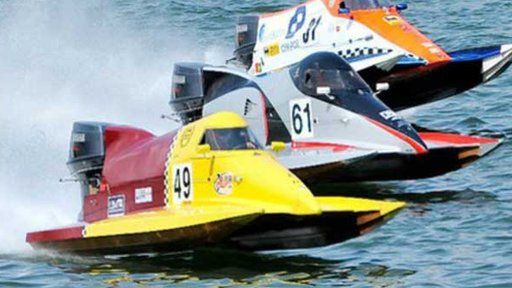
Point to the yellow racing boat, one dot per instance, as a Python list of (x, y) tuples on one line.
[(209, 183)]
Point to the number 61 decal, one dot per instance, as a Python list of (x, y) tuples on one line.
[(301, 119), (182, 183)]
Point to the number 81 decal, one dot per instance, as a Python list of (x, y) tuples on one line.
[(301, 118), (182, 183)]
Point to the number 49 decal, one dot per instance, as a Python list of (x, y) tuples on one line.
[(182, 183), (301, 119)]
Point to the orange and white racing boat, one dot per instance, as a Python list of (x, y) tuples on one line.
[(374, 37)]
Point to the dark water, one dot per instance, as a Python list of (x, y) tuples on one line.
[(62, 61)]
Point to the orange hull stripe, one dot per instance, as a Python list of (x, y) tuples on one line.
[(393, 27)]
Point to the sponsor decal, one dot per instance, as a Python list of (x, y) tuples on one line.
[(434, 50), (116, 206), (182, 183), (272, 50), (241, 28), (248, 106), (224, 183), (362, 39), (258, 67), (392, 20), (296, 22), (78, 137), (143, 195), (186, 135), (269, 35), (261, 33), (179, 79), (389, 115), (290, 46)]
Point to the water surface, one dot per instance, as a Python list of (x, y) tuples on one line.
[(62, 61)]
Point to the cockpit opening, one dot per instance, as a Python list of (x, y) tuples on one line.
[(231, 139), (327, 70), (365, 4)]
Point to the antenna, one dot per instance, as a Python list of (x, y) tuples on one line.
[(66, 180), (170, 117)]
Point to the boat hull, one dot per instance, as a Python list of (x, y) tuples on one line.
[(418, 85), (276, 232), (154, 241), (447, 152), (340, 219)]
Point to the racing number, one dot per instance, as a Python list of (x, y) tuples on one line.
[(311, 30), (301, 118), (182, 183), (298, 125)]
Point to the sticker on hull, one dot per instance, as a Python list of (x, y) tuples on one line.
[(182, 183), (301, 119), (224, 183), (143, 195), (116, 206)]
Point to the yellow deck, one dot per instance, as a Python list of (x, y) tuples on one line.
[(348, 204), (166, 219)]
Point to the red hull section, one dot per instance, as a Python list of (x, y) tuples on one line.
[(446, 152), (60, 234), (455, 139), (135, 159), (318, 145)]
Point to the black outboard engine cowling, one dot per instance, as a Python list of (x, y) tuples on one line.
[(245, 41), (188, 91), (87, 154)]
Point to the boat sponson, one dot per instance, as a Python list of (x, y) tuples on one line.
[(342, 218), (153, 241), (410, 87)]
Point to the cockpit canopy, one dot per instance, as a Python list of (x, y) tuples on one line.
[(327, 70), (326, 76), (364, 4), (231, 139)]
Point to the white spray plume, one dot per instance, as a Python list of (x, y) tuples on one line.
[(60, 62)]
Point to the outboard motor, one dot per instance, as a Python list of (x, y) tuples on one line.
[(245, 41), (187, 91), (87, 154)]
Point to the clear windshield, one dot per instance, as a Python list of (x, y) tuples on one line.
[(346, 90), (327, 70), (366, 4), (336, 80), (231, 139)]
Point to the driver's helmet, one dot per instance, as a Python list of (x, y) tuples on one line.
[(231, 138)]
